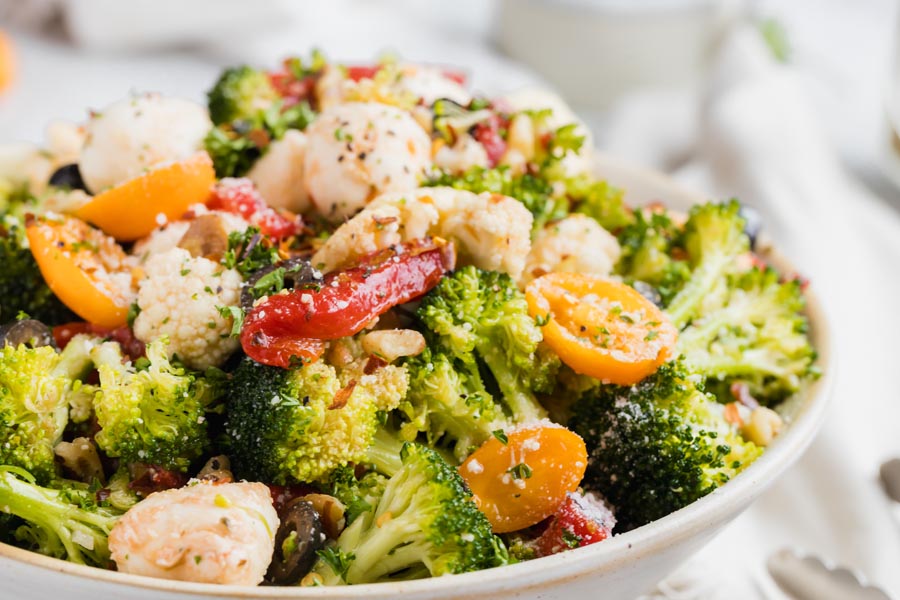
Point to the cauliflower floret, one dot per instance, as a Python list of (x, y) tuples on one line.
[(278, 175), (135, 134), (575, 244), (464, 154), (491, 231), (358, 150), (205, 532), (180, 297)]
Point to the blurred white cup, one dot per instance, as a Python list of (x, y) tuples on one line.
[(595, 50)]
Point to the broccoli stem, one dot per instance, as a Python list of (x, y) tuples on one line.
[(75, 359), (684, 305), (58, 518), (372, 556), (384, 453), (727, 367), (525, 408)]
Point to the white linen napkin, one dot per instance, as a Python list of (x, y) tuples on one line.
[(758, 139)]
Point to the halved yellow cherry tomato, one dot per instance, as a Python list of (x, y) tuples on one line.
[(86, 269), (133, 209), (524, 479), (601, 328), (7, 62)]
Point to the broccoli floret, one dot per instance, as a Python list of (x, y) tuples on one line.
[(599, 200), (757, 335), (357, 495), (483, 365), (423, 523), (63, 523), (34, 387), (713, 238), (300, 424), (239, 93), (657, 446), (151, 412), (22, 287), (647, 247), (16, 199), (448, 401)]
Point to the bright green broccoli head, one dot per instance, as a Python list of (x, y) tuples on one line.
[(357, 495), (657, 446), (240, 93), (22, 287), (423, 523), (483, 364), (756, 336), (33, 408), (647, 244), (599, 200), (16, 199), (476, 315), (447, 401), (35, 388), (63, 523), (713, 239), (152, 412), (300, 424)]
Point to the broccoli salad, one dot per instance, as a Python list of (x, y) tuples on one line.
[(350, 324)]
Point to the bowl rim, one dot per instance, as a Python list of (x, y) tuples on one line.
[(553, 570)]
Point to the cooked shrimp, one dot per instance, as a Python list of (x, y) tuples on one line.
[(491, 231), (577, 243), (208, 533), (356, 151)]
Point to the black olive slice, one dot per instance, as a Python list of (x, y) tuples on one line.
[(297, 540), (30, 332), (68, 176)]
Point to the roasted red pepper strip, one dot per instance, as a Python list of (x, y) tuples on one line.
[(295, 324)]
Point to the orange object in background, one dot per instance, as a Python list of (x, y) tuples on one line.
[(7, 62), (522, 477), (136, 207), (83, 267), (601, 328)]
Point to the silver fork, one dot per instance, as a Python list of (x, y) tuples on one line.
[(808, 577)]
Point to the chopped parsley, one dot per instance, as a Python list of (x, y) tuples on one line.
[(521, 471), (338, 560)]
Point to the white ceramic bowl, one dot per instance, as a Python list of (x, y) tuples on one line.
[(619, 568)]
